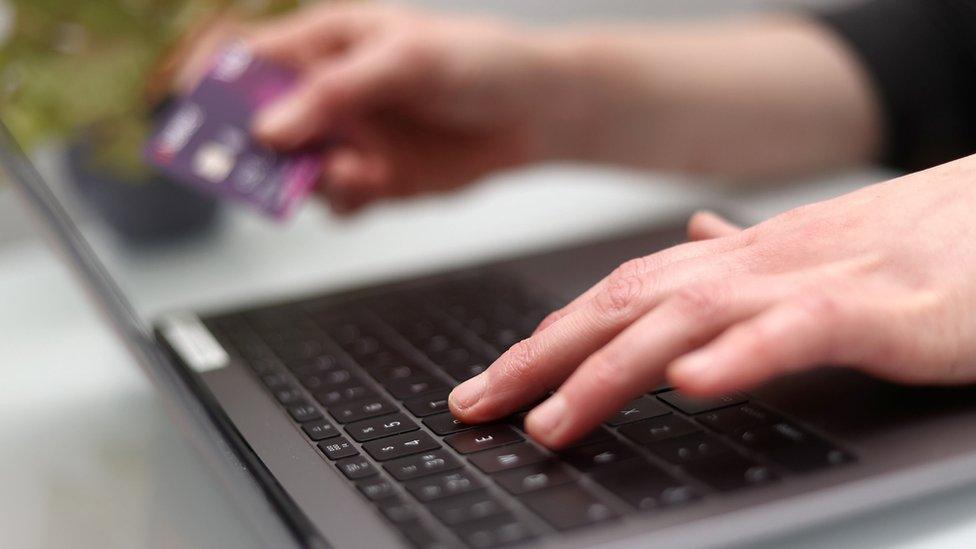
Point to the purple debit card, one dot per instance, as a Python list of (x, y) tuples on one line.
[(204, 139)]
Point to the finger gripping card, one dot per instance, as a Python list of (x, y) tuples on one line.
[(204, 138)]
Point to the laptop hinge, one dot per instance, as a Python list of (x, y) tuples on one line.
[(193, 342)]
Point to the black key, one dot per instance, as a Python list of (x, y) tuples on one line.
[(379, 427), (275, 380), (337, 448), (533, 477), (356, 467), (445, 424), (420, 536), (729, 472), (653, 430), (568, 506), (320, 429), (444, 485), (376, 488), (466, 372), (400, 445), (384, 374), (397, 509), (343, 395), (414, 386), (640, 408), (427, 463), (599, 435), (644, 486), (313, 366), (483, 438), (594, 456), (690, 405), (431, 404), (467, 507), (792, 447), (288, 394), (507, 457), (302, 411), (730, 420), (503, 529), (337, 377), (689, 447), (361, 409)]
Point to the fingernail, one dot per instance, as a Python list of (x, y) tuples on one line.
[(468, 393), (547, 417)]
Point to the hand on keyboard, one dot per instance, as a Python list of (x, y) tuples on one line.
[(883, 279)]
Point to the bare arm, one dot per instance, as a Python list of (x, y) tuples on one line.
[(744, 100)]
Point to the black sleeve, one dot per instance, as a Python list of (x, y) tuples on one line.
[(921, 57)]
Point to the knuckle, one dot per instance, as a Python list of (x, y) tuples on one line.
[(519, 361), (819, 307), (700, 300), (622, 289)]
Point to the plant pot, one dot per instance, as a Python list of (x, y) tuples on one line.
[(144, 209)]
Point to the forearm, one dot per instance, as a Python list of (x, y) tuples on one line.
[(740, 100)]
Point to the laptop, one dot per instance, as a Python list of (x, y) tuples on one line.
[(326, 415)]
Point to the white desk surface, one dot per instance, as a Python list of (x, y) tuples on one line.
[(89, 459)]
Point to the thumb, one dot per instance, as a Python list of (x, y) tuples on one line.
[(706, 225)]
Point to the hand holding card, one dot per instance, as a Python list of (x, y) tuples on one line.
[(204, 139)]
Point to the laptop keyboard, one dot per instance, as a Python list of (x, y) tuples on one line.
[(366, 380)]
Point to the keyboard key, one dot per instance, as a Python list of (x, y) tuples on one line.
[(356, 467), (792, 447), (337, 448), (644, 486), (640, 408), (361, 409), (335, 378), (533, 477), (653, 430), (466, 508), (431, 404), (376, 488), (502, 529), (320, 429), (729, 472), (507, 457), (598, 435), (483, 438), (288, 395), (343, 395), (302, 411), (427, 463), (594, 456), (400, 445), (379, 427), (420, 535), (414, 386), (397, 510), (691, 405), (275, 380), (731, 420), (466, 372), (443, 485), (568, 506), (689, 447), (445, 424)]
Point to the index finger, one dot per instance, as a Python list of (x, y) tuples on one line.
[(302, 38)]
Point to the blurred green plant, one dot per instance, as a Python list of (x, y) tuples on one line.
[(70, 65)]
